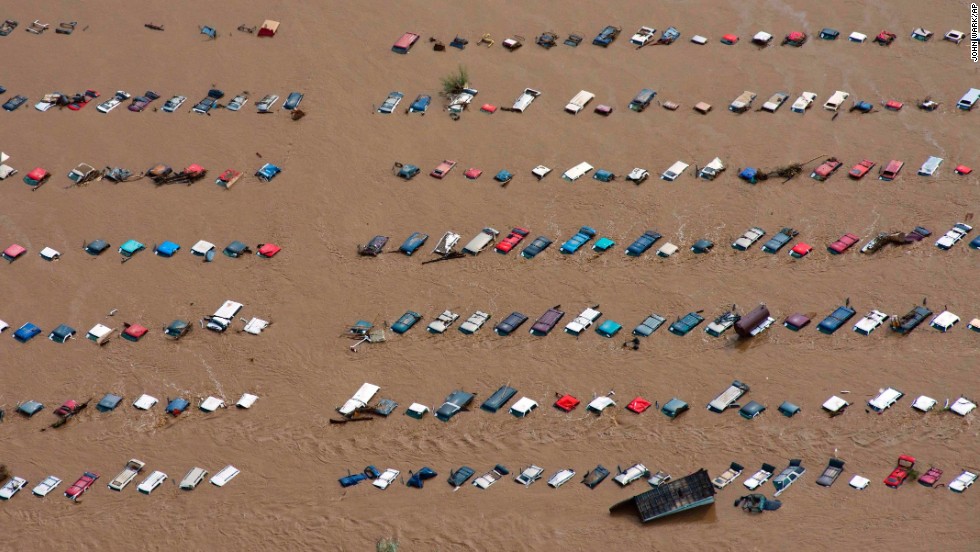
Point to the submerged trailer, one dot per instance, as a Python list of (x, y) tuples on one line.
[(686, 493)]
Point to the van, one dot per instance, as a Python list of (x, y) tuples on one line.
[(969, 99), (224, 476), (642, 99), (891, 170), (835, 101), (578, 171), (193, 478), (930, 166), (405, 43), (524, 100), (579, 102), (742, 103), (674, 171), (221, 319), (152, 481), (712, 169), (885, 399)]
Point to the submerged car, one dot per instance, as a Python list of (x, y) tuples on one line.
[(606, 36), (81, 486), (405, 322), (513, 238), (293, 100), (141, 102), (174, 103)]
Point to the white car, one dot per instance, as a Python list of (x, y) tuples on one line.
[(674, 171), (561, 478), (266, 103), (540, 171), (173, 104), (387, 478), (750, 236), (643, 36), (524, 100), (48, 101), (760, 477), (631, 474), (871, 321), (12, 487), (637, 175), (151, 482), (237, 102), (442, 322), (658, 479), (944, 321), (119, 97), (963, 482), (955, 234), (803, 103), (775, 102), (193, 478), (583, 321), (529, 475), (49, 484)]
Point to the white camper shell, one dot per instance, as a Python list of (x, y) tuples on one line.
[(540, 171), (712, 169), (524, 100), (944, 321), (193, 478), (674, 171), (360, 399), (151, 482), (226, 474), (857, 37), (480, 242), (222, 318), (579, 101), (931, 165), (963, 406), (835, 101), (578, 171), (969, 100), (803, 102), (885, 399)]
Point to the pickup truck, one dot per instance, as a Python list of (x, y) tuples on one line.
[(126, 476), (779, 240)]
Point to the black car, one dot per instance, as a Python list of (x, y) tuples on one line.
[(539, 244), (511, 323), (374, 247), (15, 102), (456, 401)]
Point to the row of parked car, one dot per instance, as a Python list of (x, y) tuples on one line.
[(592, 478), (746, 326), (646, 35), (132, 469), (362, 404), (712, 170), (448, 244), (75, 102), (203, 250), (100, 334)]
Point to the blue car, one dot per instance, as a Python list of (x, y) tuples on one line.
[(690, 321), (413, 243), (15, 102), (176, 406), (975, 244), (267, 172), (408, 172), (504, 177), (508, 325), (643, 243), (779, 240), (293, 100), (406, 322), (749, 175), (836, 319), (167, 249), (606, 36), (26, 332), (539, 244), (584, 235), (420, 104)]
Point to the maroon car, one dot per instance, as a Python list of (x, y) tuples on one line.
[(826, 169), (69, 407), (141, 102), (513, 238), (843, 244), (858, 171), (81, 486), (931, 477)]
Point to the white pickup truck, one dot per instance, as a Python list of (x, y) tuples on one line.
[(524, 100), (126, 476)]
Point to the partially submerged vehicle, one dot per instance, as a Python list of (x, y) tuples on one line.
[(830, 474), (685, 493), (788, 476), (835, 320), (901, 472), (686, 323), (727, 398), (754, 322), (728, 476), (128, 473)]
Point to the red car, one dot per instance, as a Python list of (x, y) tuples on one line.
[(901, 471), (931, 477), (800, 250), (826, 169), (843, 244), (70, 407), (861, 169), (894, 105), (443, 169), (512, 239), (88, 96), (81, 486)]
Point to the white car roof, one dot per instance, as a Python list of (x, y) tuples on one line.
[(945, 319), (247, 400), (924, 403), (963, 406), (211, 404), (835, 403), (524, 405), (145, 402), (225, 475), (202, 247)]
